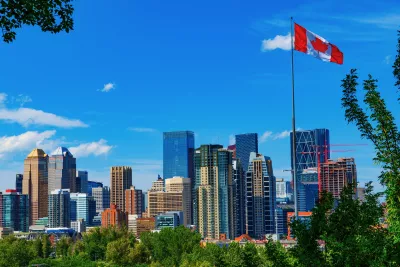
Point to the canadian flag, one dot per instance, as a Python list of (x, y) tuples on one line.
[(314, 45)]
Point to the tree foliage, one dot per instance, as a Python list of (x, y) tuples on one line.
[(377, 124), (50, 15)]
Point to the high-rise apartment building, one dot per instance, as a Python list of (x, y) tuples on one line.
[(260, 188), (336, 174), (59, 208), (93, 184), (133, 200), (14, 211), (18, 183), (121, 179), (239, 198), (114, 217), (178, 151), (181, 184), (62, 170), (213, 197), (245, 144), (102, 197), (82, 176), (83, 207), (35, 184)]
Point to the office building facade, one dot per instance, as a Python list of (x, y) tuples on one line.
[(145, 225), (62, 170), (59, 208), (161, 202), (83, 207), (18, 182), (102, 197), (133, 201), (93, 184), (171, 219), (178, 151), (14, 211), (35, 184), (213, 192), (157, 185), (260, 201), (280, 188), (83, 178), (245, 144), (181, 184), (121, 179)]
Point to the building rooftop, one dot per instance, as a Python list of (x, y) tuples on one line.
[(37, 153), (61, 151)]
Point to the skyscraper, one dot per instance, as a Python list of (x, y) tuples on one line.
[(14, 210), (35, 184), (102, 197), (161, 202), (260, 187), (83, 177), (121, 179), (213, 198), (310, 144), (82, 207), (307, 189), (59, 208), (181, 184), (239, 198), (133, 201), (280, 188), (178, 154), (62, 170), (245, 144), (18, 183), (336, 174)]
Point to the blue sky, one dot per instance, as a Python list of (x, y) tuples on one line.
[(185, 65)]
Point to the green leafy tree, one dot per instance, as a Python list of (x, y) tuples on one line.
[(251, 257), (46, 246), (50, 15), (233, 256), (118, 252), (277, 255), (377, 124), (38, 247), (62, 247)]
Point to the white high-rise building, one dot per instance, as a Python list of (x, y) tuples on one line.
[(280, 188)]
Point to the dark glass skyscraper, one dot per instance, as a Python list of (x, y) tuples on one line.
[(310, 144), (18, 183), (14, 210), (245, 144), (62, 170), (239, 199), (178, 154)]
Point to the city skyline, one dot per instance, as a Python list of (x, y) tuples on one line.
[(211, 61)]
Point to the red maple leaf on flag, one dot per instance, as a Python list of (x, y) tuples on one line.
[(319, 45)]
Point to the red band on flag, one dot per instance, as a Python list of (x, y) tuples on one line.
[(300, 38), (336, 55)]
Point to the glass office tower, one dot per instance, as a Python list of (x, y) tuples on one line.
[(245, 144), (178, 154)]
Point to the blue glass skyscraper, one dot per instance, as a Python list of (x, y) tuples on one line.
[(18, 183), (178, 154), (245, 144)]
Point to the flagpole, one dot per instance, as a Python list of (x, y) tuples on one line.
[(293, 128)]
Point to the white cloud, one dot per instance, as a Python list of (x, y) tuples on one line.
[(108, 87), (142, 130), (278, 42), (3, 98), (232, 139), (265, 136), (24, 142), (93, 148), (28, 116), (387, 59), (282, 135), (23, 99)]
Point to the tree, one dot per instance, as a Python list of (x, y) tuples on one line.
[(50, 15), (378, 125), (46, 246), (63, 246), (118, 252), (38, 247), (251, 258), (233, 256)]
